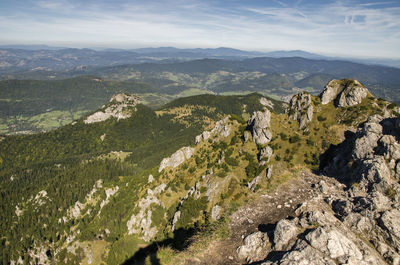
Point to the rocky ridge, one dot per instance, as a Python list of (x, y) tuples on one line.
[(119, 107), (344, 93), (350, 220)]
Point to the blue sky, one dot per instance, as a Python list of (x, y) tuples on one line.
[(339, 27)]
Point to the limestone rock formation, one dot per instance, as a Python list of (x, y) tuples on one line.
[(266, 103), (176, 158), (266, 154), (301, 109), (255, 247), (259, 123), (221, 128), (119, 107), (142, 222), (353, 222), (344, 93), (285, 231)]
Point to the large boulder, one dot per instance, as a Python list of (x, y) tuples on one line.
[(259, 123), (301, 109), (256, 247), (284, 232), (367, 141), (344, 93)]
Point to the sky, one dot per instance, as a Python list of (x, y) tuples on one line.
[(368, 29)]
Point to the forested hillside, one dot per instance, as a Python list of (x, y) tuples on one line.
[(129, 188)]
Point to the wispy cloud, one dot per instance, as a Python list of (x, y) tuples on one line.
[(336, 27)]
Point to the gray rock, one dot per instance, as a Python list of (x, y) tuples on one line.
[(390, 222), (266, 103), (331, 91), (253, 184), (150, 179), (202, 137), (334, 244), (301, 109), (380, 202), (259, 123), (369, 134), (256, 247), (268, 172), (352, 96), (176, 158), (398, 169), (216, 212), (221, 128), (266, 153), (357, 222), (303, 254), (247, 136), (344, 92), (284, 232), (377, 174), (177, 216), (391, 148)]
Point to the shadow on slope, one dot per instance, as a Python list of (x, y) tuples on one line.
[(180, 241)]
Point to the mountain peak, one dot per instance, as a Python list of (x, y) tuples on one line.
[(119, 107), (344, 93)]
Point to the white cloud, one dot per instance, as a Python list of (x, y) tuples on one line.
[(333, 28)]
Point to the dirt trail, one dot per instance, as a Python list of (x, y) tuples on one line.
[(256, 216)]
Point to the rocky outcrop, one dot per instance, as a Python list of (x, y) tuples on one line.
[(344, 93), (301, 109), (222, 128), (284, 232), (176, 158), (266, 103), (353, 222), (259, 124), (265, 155), (141, 222), (119, 107)]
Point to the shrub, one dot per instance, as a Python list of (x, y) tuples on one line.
[(392, 105), (294, 139), (321, 118), (237, 118)]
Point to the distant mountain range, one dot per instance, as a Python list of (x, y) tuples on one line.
[(14, 57)]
